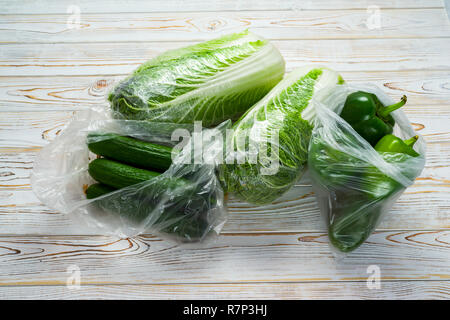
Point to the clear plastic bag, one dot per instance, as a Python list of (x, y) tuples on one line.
[(354, 184), (209, 82), (184, 204)]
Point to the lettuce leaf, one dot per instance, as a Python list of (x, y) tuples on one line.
[(209, 82)]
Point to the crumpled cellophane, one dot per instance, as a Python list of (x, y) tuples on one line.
[(188, 212), (354, 184)]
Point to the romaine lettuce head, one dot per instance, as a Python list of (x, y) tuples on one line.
[(210, 82), (269, 144)]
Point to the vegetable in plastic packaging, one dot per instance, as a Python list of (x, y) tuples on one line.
[(356, 184), (368, 116), (268, 149), (184, 203), (212, 81)]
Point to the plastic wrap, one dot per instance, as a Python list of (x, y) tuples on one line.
[(354, 184), (210, 82), (185, 203), (268, 148)]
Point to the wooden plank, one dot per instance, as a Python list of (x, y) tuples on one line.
[(104, 6), (274, 257), (31, 130), (397, 290), (55, 93), (424, 88), (199, 26), (121, 58)]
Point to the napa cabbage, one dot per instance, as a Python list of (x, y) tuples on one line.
[(210, 82), (268, 148)]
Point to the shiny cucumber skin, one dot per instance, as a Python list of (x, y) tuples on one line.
[(184, 216), (118, 175), (97, 190), (131, 151)]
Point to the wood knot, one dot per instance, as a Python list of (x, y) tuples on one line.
[(213, 25), (417, 126), (6, 174), (308, 238), (100, 84)]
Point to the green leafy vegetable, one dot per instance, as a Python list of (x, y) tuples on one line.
[(274, 137), (211, 81)]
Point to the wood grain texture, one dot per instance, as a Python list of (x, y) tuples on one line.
[(232, 258), (122, 58), (426, 90), (105, 6), (48, 71), (397, 290), (199, 26)]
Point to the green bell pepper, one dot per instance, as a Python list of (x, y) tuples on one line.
[(368, 116), (382, 186), (391, 143), (352, 224)]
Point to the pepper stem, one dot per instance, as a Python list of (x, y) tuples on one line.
[(410, 142), (384, 112)]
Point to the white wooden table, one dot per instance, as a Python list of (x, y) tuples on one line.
[(51, 67)]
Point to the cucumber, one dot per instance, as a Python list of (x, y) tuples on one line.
[(185, 216), (118, 175), (98, 189), (131, 151)]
